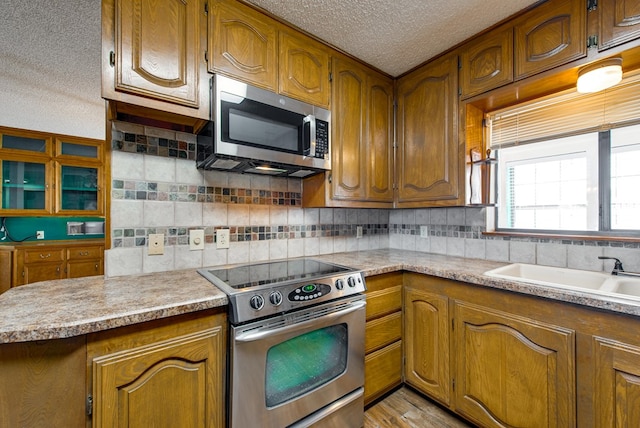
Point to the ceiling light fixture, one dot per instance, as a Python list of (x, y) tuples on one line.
[(600, 75)]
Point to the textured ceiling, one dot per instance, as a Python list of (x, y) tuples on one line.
[(393, 35)]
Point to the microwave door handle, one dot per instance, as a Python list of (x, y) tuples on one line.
[(309, 141)]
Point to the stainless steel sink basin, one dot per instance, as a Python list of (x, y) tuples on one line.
[(597, 282)]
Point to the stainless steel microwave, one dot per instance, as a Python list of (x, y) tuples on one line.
[(258, 131)]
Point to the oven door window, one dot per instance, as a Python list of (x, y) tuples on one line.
[(304, 363), (255, 124)]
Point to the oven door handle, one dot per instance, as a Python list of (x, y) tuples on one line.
[(261, 334)]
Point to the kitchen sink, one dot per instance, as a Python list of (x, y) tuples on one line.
[(549, 275), (622, 285), (598, 282)]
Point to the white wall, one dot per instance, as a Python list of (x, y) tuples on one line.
[(50, 66)]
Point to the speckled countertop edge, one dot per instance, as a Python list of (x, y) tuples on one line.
[(67, 308)]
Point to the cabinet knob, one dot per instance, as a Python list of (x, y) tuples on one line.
[(45, 256)]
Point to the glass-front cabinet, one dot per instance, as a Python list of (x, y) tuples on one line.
[(45, 174)]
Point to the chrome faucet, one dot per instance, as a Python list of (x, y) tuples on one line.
[(617, 267)]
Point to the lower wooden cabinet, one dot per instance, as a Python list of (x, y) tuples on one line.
[(383, 335), (427, 343), (42, 383), (163, 374), (513, 371), (617, 383), (494, 357), (28, 263)]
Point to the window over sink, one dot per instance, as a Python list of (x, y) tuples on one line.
[(570, 164)]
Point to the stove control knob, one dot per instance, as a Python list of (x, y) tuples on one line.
[(339, 284), (351, 281), (256, 302), (275, 298)]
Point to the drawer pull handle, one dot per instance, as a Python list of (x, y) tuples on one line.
[(83, 253), (43, 256)]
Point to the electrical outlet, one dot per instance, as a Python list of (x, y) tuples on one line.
[(196, 239), (222, 238), (424, 231), (359, 232), (156, 243), (40, 234)]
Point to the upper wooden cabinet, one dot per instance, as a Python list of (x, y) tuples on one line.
[(153, 55), (379, 131), (243, 44), (348, 138), (361, 141), (429, 158), (552, 34), (619, 22), (304, 66), (487, 63), (44, 174)]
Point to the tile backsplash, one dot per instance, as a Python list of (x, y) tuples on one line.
[(166, 194), (158, 192)]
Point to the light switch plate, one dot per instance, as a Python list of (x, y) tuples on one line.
[(156, 243), (196, 239), (222, 238), (424, 232), (358, 231)]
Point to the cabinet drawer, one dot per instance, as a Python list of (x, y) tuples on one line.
[(383, 331), (44, 255), (384, 302), (81, 253), (382, 371)]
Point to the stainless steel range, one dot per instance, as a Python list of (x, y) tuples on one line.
[(296, 343)]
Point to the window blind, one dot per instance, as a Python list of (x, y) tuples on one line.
[(567, 113)]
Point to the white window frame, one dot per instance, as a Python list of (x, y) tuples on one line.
[(585, 143)]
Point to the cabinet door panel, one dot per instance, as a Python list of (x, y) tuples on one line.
[(243, 44), (78, 269), (428, 151), (379, 131), (552, 34), (619, 22), (617, 384), (157, 49), (427, 343), (383, 331), (383, 302), (382, 371), (512, 371), (171, 383), (348, 114), (41, 272), (304, 69), (487, 63)]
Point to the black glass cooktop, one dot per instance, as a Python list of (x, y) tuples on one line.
[(260, 274)]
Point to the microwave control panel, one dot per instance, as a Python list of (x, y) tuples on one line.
[(322, 139)]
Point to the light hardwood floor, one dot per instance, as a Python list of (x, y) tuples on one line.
[(406, 409)]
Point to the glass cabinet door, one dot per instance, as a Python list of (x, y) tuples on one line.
[(78, 188), (24, 185)]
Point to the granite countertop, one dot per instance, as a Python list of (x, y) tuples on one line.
[(72, 307)]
